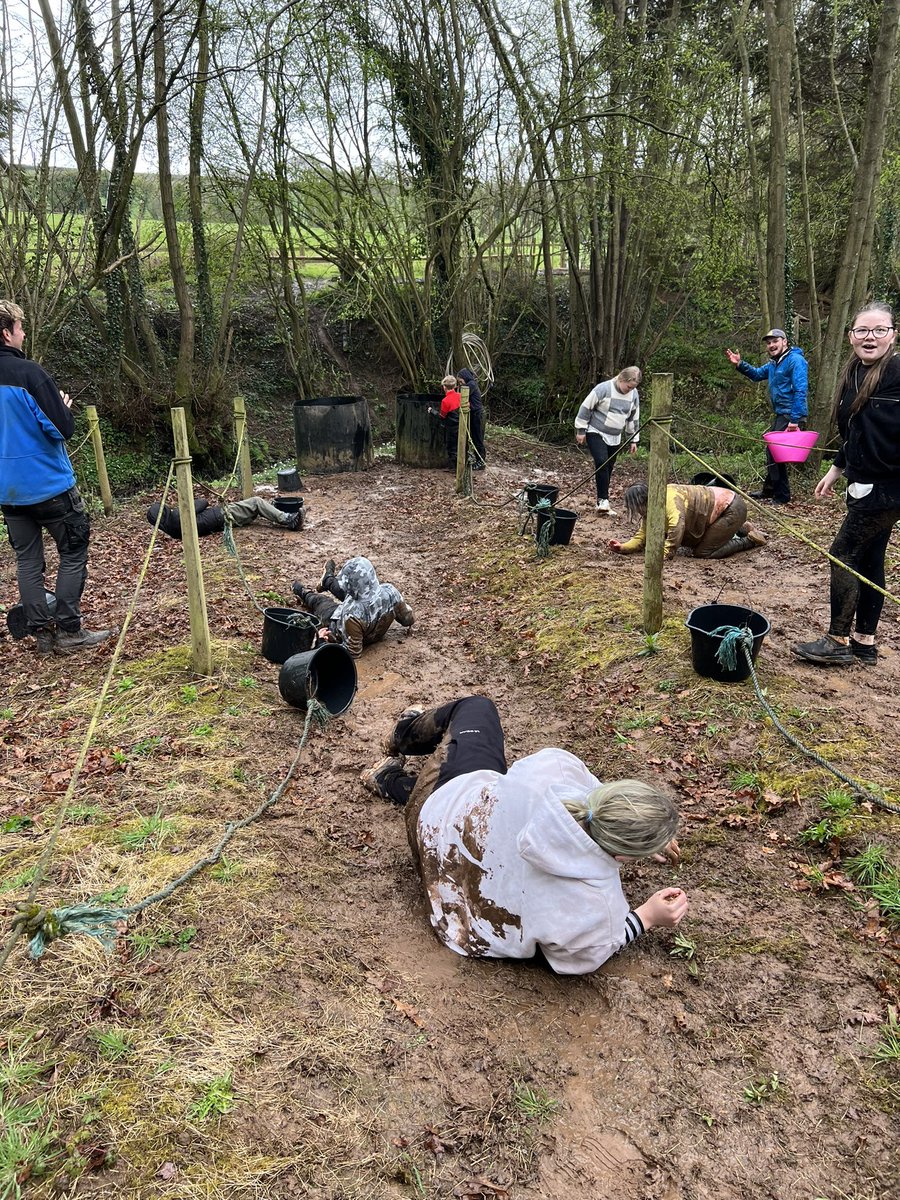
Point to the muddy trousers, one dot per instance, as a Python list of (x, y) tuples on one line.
[(64, 518), (861, 543), (245, 512), (722, 538), (460, 737), (604, 457), (776, 483)]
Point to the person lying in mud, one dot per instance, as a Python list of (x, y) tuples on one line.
[(211, 518), (711, 521), (523, 860), (362, 610)]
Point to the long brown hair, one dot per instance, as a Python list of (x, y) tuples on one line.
[(870, 384)]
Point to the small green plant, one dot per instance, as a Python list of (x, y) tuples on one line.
[(888, 1049), (763, 1089), (185, 936), (826, 831), (667, 685), (7, 713), (188, 693), (247, 681), (533, 1103), (82, 814), (125, 684), (867, 868), (887, 893), (836, 800), (216, 1099), (16, 824), (145, 746), (743, 780), (204, 730), (120, 756), (149, 833), (26, 1140), (684, 947), (114, 1044), (650, 645), (642, 721), (226, 870), (152, 939), (113, 895), (233, 710), (239, 774), (16, 883)]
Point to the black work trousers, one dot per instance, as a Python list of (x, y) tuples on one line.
[(65, 519)]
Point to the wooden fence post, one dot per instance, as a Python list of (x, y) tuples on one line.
[(462, 442), (201, 650), (242, 441), (100, 458), (658, 478)]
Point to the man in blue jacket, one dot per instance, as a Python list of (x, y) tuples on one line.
[(788, 377), (38, 492)]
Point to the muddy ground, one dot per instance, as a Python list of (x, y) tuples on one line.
[(362, 1059)]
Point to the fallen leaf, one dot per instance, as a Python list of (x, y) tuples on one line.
[(408, 1011), (167, 1171)]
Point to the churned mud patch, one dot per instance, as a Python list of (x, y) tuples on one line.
[(287, 1024)]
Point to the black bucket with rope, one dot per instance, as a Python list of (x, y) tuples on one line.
[(327, 674), (285, 632), (718, 632), (536, 492), (561, 522)]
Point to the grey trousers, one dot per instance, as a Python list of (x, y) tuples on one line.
[(245, 512), (64, 518)]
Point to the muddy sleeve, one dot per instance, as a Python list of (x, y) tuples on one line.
[(403, 614), (353, 636), (675, 522), (635, 543)]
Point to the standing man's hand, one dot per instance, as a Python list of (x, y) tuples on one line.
[(66, 399), (580, 438), (733, 357), (792, 427), (632, 449)]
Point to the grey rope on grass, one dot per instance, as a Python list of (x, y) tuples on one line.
[(737, 641), (43, 925)]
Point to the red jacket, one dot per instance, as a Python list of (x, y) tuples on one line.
[(450, 403)]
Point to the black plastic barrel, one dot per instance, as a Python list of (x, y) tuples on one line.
[(288, 505), (704, 643), (286, 631), (540, 491), (421, 440), (563, 524), (332, 433), (327, 674)]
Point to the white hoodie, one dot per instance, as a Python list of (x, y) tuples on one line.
[(508, 869)]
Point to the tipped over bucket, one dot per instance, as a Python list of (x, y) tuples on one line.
[(327, 674), (705, 621), (286, 631)]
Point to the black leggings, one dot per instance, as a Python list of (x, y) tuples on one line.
[(861, 543), (604, 457)]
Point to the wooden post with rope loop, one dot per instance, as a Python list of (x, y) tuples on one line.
[(99, 458), (201, 650), (462, 442), (242, 441), (658, 478)]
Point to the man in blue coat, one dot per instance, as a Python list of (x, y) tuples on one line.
[(788, 377), (38, 492)]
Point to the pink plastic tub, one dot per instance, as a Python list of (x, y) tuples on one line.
[(793, 446)]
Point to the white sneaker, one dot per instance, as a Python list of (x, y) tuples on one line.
[(603, 507)]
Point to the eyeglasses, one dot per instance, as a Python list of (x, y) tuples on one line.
[(879, 331)]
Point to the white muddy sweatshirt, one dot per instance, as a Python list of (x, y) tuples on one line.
[(508, 869)]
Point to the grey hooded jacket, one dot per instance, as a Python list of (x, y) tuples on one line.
[(369, 607)]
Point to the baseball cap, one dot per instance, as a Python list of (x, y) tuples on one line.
[(774, 333)]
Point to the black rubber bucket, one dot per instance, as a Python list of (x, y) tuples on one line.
[(327, 674), (15, 617), (289, 481), (704, 643), (540, 491), (420, 437), (288, 506), (333, 433), (286, 631), (563, 524), (707, 479)]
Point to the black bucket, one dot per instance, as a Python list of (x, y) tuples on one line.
[(563, 524), (327, 674), (289, 481), (288, 506), (535, 492), (704, 643), (707, 479), (286, 631), (15, 617)]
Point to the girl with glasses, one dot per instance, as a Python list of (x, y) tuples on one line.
[(867, 410)]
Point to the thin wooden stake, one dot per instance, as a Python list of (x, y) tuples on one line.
[(462, 442), (100, 458), (654, 549), (242, 441), (201, 650)]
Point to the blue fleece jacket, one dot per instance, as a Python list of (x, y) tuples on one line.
[(788, 379), (34, 426)]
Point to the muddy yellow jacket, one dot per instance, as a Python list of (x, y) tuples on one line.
[(688, 510)]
